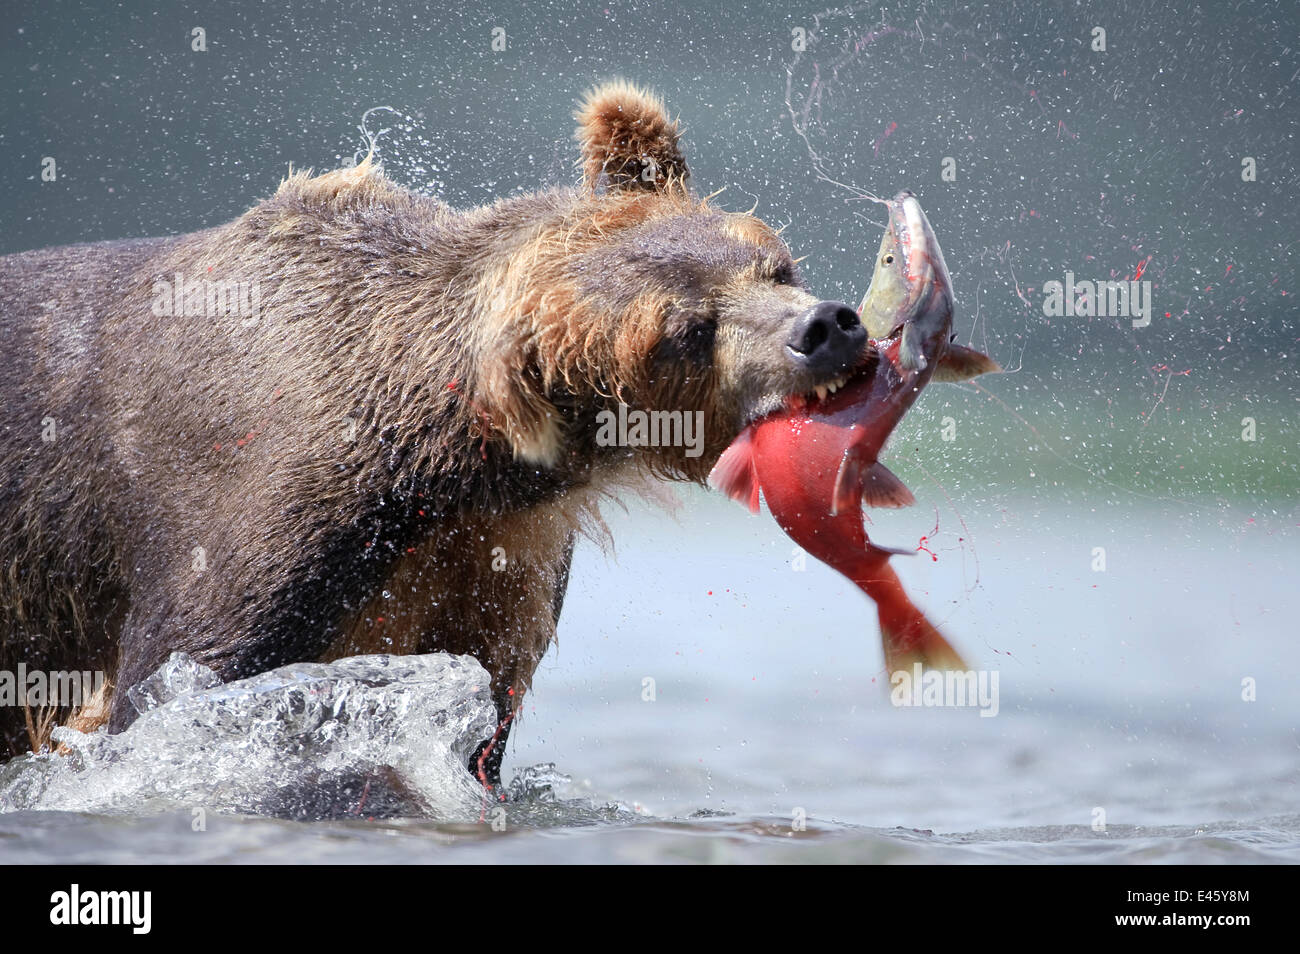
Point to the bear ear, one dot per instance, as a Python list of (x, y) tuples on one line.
[(628, 142)]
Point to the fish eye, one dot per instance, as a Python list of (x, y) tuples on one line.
[(889, 260)]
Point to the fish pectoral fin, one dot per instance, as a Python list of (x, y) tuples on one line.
[(960, 363), (734, 473), (848, 484), (867, 481), (882, 488), (911, 352)]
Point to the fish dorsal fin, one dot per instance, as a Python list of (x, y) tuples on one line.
[(882, 488), (960, 363), (734, 473)]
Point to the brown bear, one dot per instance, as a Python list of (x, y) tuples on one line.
[(357, 420)]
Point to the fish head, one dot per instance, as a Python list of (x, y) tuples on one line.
[(816, 454), (911, 290)]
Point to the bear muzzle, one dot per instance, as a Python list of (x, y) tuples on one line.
[(826, 340)]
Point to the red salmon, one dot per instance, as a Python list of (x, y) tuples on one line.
[(815, 462)]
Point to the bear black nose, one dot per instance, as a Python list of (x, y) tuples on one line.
[(827, 338)]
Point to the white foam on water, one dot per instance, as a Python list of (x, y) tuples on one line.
[(362, 736)]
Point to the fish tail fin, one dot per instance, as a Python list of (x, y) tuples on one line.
[(905, 634)]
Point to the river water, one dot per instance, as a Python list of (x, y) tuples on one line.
[(1126, 728)]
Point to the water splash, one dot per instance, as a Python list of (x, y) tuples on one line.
[(369, 736)]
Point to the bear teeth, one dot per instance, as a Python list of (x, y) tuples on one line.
[(822, 390)]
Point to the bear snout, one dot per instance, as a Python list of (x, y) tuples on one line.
[(826, 339)]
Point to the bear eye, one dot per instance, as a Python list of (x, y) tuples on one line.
[(691, 342), (701, 334), (695, 342)]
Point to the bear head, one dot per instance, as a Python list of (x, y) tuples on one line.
[(640, 293)]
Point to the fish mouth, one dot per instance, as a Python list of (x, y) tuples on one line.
[(922, 321), (926, 271)]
